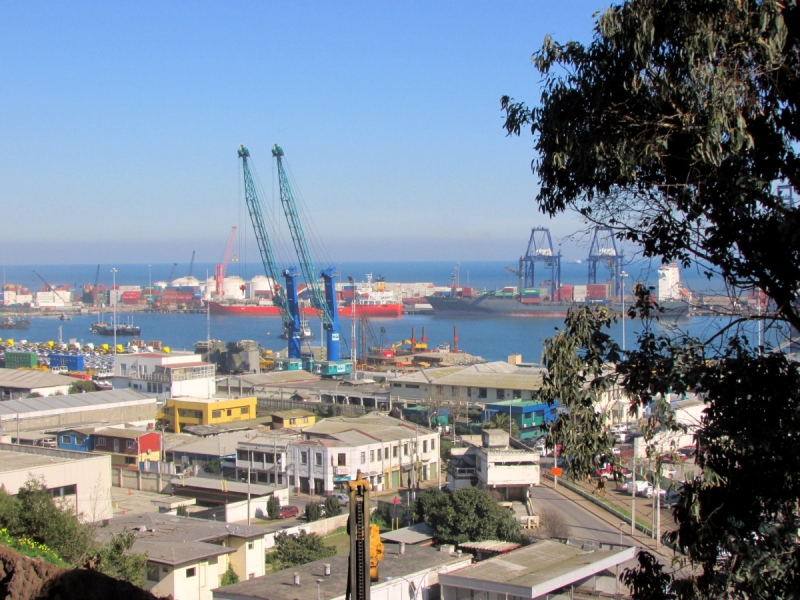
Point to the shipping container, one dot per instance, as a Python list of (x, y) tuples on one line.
[(71, 362), (596, 291), (579, 293), (530, 300), (19, 360)]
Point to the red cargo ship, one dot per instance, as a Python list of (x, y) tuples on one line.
[(389, 309)]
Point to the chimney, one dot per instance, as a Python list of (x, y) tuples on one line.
[(296, 579), (327, 570), (402, 548)]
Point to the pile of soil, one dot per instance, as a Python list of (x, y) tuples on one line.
[(23, 578)]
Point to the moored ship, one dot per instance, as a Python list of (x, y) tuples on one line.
[(377, 309), (121, 329), (19, 323)]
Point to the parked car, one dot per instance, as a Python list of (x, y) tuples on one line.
[(619, 429), (607, 471), (288, 511), (343, 499), (639, 485), (671, 456)]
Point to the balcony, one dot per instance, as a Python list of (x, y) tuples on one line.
[(171, 376)]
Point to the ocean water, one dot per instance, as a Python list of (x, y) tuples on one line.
[(491, 338)]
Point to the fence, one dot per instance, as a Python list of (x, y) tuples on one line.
[(139, 480)]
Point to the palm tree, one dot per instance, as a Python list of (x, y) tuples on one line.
[(500, 421)]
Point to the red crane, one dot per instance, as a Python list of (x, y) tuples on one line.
[(221, 268)]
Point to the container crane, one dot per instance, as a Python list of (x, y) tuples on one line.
[(604, 250), (191, 265), (284, 299), (219, 275), (324, 302), (171, 273)]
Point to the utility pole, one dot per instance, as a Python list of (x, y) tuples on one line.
[(249, 458), (633, 498), (113, 286)]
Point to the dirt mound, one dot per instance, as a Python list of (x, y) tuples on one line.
[(23, 578)]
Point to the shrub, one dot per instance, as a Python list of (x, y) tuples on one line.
[(332, 507), (273, 507), (312, 511)]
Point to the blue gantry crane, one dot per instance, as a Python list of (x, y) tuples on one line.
[(604, 250), (324, 302), (540, 251), (284, 299)]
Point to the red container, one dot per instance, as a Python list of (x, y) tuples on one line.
[(530, 300)]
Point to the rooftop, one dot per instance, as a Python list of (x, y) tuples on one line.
[(33, 407), (131, 434), (21, 458), (24, 379), (235, 487), (279, 585), (218, 445), (297, 412), (536, 570), (208, 400), (369, 428)]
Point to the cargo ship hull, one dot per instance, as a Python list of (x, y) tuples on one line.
[(496, 306), (370, 310)]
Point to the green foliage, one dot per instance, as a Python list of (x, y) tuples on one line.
[(465, 515), (82, 385), (213, 466), (273, 507), (229, 578), (312, 511), (29, 548), (332, 507), (34, 395), (9, 511), (117, 561), (500, 421), (445, 450), (181, 511), (299, 549)]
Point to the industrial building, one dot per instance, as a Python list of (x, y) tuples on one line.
[(529, 415), (21, 383), (77, 410), (81, 479), (179, 412), (186, 557)]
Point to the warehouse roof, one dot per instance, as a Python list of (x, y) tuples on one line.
[(25, 379), (53, 405), (498, 374), (369, 428), (218, 445), (297, 412)]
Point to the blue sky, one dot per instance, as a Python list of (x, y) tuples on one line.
[(120, 123)]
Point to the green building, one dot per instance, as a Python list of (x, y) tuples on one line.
[(21, 360)]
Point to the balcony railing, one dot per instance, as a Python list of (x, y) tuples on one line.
[(170, 377)]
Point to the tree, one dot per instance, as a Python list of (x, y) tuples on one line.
[(445, 450), (332, 506), (229, 578), (500, 421), (9, 511), (118, 561), (81, 386), (312, 511), (300, 548), (466, 515), (182, 511), (213, 466), (273, 507), (671, 128), (552, 524)]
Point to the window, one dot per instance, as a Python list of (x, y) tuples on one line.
[(413, 386), (304, 458), (101, 441), (501, 394), (64, 490), (405, 449), (242, 455), (245, 410), (258, 457), (341, 460), (251, 545), (130, 460), (379, 453), (190, 572), (305, 420), (372, 456), (517, 394), (270, 457), (229, 412), (481, 392), (79, 440), (292, 421), (152, 572), (394, 451), (363, 457), (318, 459), (216, 414), (424, 445), (66, 439), (129, 444)]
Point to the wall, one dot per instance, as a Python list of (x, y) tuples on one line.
[(137, 480), (141, 411), (320, 527)]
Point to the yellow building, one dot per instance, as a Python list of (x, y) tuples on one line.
[(293, 419), (180, 412)]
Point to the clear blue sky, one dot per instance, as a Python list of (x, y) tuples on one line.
[(120, 123)]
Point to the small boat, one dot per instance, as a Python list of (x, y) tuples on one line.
[(64, 317), (18, 323)]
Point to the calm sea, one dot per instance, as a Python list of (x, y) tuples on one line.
[(491, 338)]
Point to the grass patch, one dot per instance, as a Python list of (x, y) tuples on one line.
[(339, 540)]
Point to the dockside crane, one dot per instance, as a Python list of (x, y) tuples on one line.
[(540, 251), (604, 250), (324, 302), (191, 265), (171, 273), (284, 299), (51, 288), (219, 275)]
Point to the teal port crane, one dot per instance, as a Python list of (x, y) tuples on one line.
[(324, 302), (284, 299)]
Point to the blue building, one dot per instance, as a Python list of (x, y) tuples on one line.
[(529, 415), (76, 439)]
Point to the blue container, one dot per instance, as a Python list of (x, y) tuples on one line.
[(72, 362)]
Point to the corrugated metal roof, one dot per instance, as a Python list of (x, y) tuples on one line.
[(130, 434), (29, 379), (31, 406), (490, 546), (515, 381), (415, 534)]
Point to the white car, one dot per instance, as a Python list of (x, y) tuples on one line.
[(615, 450)]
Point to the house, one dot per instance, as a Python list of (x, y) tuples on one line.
[(78, 410), (81, 479), (18, 384), (186, 557), (406, 572), (79, 440), (265, 456), (294, 419), (390, 453), (165, 374), (494, 465), (129, 448), (182, 411), (529, 415), (547, 569), (477, 383)]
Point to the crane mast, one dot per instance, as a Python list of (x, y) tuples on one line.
[(286, 300), (325, 303), (223, 267)]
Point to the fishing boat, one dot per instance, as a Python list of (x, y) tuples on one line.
[(18, 323)]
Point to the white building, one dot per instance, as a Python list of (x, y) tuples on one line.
[(167, 375), (669, 283), (494, 465), (81, 479), (53, 300)]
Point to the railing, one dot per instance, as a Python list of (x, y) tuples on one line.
[(166, 377)]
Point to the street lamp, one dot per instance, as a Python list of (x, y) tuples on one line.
[(622, 277), (319, 581), (114, 324)]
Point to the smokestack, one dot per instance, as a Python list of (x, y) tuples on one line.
[(402, 548), (297, 579), (455, 338), (327, 570), (424, 338)]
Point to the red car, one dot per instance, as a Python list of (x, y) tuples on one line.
[(287, 512)]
